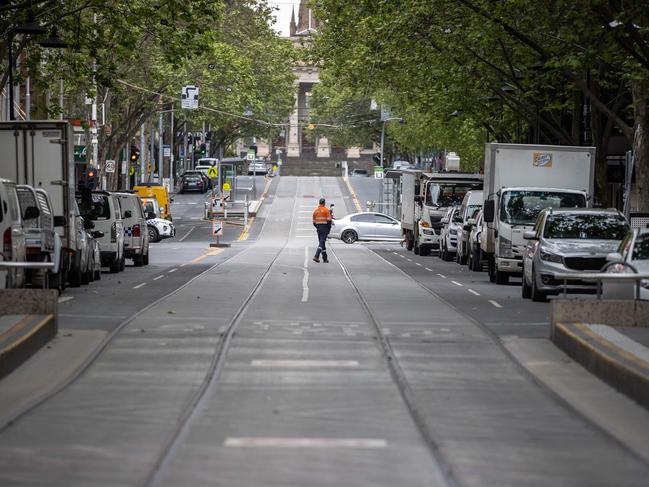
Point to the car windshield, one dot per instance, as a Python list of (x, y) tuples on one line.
[(523, 207), (586, 226), (448, 194), (96, 208), (641, 247)]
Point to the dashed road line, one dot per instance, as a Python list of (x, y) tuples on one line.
[(305, 279), (496, 304), (139, 285), (417, 263), (274, 442), (65, 299), (458, 283), (441, 275), (409, 260), (303, 363), (156, 278), (473, 292), (429, 270), (173, 270)]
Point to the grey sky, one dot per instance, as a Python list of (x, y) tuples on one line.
[(283, 13)]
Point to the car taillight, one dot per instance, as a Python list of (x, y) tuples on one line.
[(6, 244), (135, 230), (113, 232)]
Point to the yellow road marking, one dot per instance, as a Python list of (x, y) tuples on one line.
[(208, 253), (354, 197)]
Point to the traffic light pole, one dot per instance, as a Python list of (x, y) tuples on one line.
[(142, 153)]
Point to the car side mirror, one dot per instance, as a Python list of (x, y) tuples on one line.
[(444, 220), (97, 234), (31, 212), (489, 211), (88, 224), (417, 199), (60, 221), (471, 221), (128, 214), (530, 235), (171, 200), (150, 215), (614, 257)]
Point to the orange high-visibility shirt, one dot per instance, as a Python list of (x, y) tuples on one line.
[(321, 215)]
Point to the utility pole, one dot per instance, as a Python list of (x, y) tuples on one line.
[(142, 153), (172, 173), (152, 151), (161, 171)]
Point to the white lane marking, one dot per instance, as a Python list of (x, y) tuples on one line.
[(187, 234), (442, 276), (139, 285), (417, 263), (429, 270), (305, 211), (64, 299), (173, 270), (402, 256), (457, 283), (303, 236), (156, 278), (195, 218), (274, 442), (473, 292), (183, 265), (305, 279), (304, 363), (497, 305), (409, 260)]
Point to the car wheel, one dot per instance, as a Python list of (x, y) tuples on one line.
[(535, 293), (442, 251), (98, 275), (409, 241), (424, 250), (145, 257), (501, 277), (114, 265), (526, 291), (349, 236), (122, 263), (415, 249), (154, 236), (75, 277)]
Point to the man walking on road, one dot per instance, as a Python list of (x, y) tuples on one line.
[(322, 223)]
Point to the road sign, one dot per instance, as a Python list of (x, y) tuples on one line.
[(189, 97), (217, 228), (131, 171), (166, 151), (212, 172), (226, 187), (250, 156), (378, 172), (110, 166)]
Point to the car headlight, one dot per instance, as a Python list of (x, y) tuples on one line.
[(550, 257), (505, 248), (453, 232), (425, 224)]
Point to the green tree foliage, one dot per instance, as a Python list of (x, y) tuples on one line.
[(518, 70)]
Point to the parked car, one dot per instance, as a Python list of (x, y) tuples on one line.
[(95, 251), (366, 226), (104, 210), (159, 229), (475, 259), (632, 255), (13, 235), (448, 233), (471, 203), (258, 168), (568, 241), (78, 273), (136, 235), (359, 173), (151, 208), (402, 165), (42, 243)]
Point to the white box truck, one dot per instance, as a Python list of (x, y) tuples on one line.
[(40, 154), (519, 181), (425, 197)]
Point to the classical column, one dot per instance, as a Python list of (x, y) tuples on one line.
[(293, 144), (323, 148), (353, 153)]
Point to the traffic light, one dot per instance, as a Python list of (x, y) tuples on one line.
[(377, 158), (203, 150), (135, 155), (88, 178)]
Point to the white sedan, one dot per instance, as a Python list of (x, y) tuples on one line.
[(159, 228), (633, 251), (366, 226)]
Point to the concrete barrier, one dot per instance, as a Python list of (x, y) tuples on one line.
[(33, 323), (571, 331)]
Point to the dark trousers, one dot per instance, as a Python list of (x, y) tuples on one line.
[(323, 231)]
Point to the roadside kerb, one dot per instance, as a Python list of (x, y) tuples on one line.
[(33, 314), (571, 331)]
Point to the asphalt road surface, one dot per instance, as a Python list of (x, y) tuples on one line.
[(257, 366)]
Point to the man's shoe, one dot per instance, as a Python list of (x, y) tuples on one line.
[(325, 261), (315, 259)]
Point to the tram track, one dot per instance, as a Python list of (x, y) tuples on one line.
[(400, 380)]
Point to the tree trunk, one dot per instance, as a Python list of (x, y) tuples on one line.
[(640, 193)]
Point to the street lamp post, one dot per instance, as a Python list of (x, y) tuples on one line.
[(383, 133)]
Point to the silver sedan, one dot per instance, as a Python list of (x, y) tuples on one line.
[(366, 226), (632, 255)]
